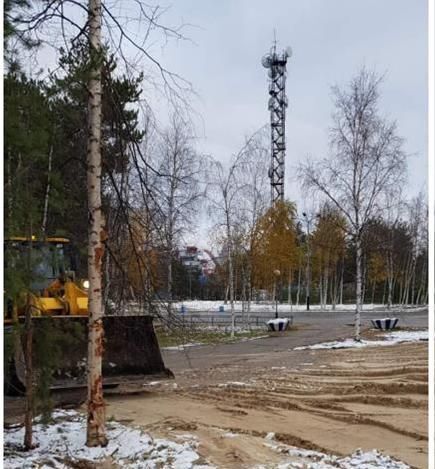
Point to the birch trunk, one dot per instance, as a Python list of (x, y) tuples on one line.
[(47, 193), (326, 286), (358, 288), (341, 283), (227, 291), (289, 299), (230, 272), (334, 289), (390, 280), (299, 286), (249, 287), (96, 421)]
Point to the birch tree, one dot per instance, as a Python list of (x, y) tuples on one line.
[(225, 188), (96, 428), (366, 160), (179, 186), (253, 201)]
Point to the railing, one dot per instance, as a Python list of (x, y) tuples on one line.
[(216, 319)]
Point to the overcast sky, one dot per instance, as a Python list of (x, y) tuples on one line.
[(331, 40)]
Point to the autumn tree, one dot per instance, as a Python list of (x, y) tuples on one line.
[(274, 245), (328, 244)]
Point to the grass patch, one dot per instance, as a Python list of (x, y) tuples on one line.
[(182, 336)]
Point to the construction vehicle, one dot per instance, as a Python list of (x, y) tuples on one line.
[(58, 302)]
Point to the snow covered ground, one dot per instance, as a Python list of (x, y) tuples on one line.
[(64, 441), (62, 444), (213, 306), (307, 459), (182, 346), (391, 338)]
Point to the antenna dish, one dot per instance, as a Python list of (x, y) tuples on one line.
[(266, 61), (288, 51)]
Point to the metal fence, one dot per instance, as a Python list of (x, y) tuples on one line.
[(217, 319)]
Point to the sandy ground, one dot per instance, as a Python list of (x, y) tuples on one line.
[(333, 401)]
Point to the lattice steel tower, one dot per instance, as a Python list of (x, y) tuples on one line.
[(276, 64)]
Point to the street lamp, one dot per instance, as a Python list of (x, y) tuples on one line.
[(276, 273)]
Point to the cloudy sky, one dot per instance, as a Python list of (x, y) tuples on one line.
[(331, 40)]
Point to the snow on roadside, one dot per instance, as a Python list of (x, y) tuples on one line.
[(391, 338), (213, 306), (183, 346), (236, 384), (65, 439), (308, 459)]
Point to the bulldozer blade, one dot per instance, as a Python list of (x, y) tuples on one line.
[(131, 351)]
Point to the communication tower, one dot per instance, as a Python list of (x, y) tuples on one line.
[(276, 63)]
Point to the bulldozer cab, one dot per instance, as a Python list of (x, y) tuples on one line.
[(44, 268), (45, 260)]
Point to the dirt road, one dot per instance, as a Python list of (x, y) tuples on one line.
[(333, 401), (231, 397)]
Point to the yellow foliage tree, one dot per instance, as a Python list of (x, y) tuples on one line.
[(274, 246), (377, 270), (328, 246)]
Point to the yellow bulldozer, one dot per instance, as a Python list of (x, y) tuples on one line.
[(58, 300), (54, 289)]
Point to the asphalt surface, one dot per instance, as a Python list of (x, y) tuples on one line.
[(310, 327)]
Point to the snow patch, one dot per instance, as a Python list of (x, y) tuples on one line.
[(213, 306), (65, 439), (391, 338), (233, 383), (308, 459), (183, 346)]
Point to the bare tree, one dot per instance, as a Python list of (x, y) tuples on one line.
[(253, 200), (179, 186), (393, 213), (226, 186), (417, 212), (367, 160)]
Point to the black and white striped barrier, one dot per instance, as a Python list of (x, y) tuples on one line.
[(386, 324), (280, 324)]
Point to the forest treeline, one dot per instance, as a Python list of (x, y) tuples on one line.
[(154, 183)]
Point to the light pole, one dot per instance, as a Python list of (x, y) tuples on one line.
[(308, 260), (276, 273)]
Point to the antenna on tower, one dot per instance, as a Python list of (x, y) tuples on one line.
[(277, 71)]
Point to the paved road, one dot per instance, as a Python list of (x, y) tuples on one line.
[(311, 328)]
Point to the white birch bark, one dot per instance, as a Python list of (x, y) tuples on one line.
[(47, 193), (96, 421)]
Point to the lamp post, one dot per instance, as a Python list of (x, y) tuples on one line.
[(308, 261), (276, 273)]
